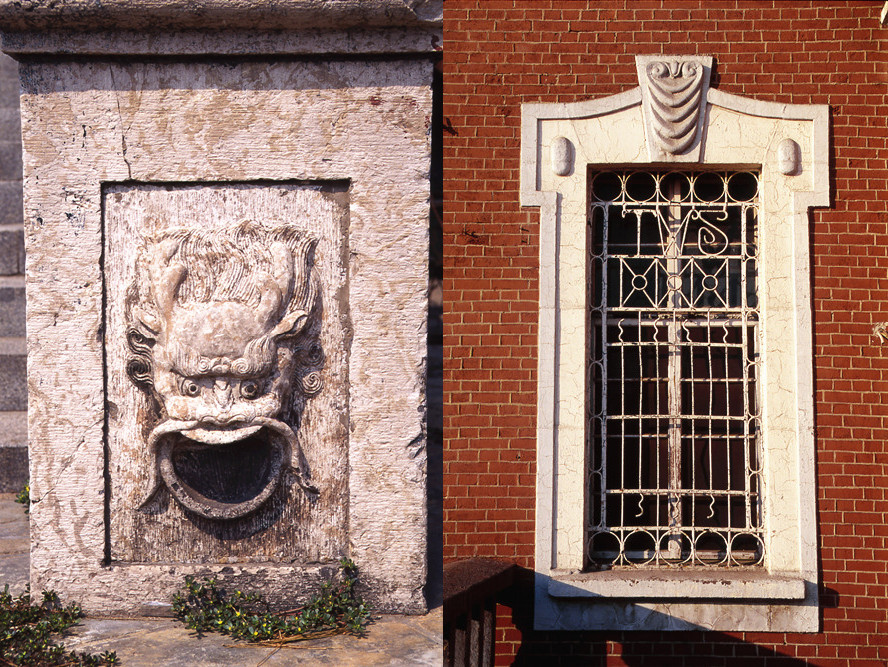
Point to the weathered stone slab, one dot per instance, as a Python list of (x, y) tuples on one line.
[(296, 524), (154, 15), (118, 154), (246, 27), (393, 640)]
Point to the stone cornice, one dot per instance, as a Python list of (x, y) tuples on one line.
[(219, 27), (156, 15)]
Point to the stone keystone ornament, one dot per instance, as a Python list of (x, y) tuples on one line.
[(217, 328), (673, 91)]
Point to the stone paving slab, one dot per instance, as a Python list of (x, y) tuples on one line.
[(13, 544), (161, 642), (392, 640)]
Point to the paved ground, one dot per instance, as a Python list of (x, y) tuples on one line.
[(392, 640), (13, 544)]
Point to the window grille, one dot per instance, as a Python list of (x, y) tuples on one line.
[(673, 414)]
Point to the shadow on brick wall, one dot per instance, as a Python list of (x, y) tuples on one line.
[(435, 361), (635, 649)]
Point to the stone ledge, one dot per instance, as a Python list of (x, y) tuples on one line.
[(164, 15), (683, 584), (220, 27), (252, 43)]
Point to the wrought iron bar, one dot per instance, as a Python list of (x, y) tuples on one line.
[(674, 474)]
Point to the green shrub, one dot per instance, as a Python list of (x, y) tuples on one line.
[(26, 630), (204, 607), (23, 497)]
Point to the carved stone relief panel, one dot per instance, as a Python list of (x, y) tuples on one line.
[(227, 338), (249, 238)]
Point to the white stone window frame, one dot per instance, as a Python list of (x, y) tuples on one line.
[(789, 144)]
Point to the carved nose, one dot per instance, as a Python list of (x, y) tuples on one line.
[(222, 394)]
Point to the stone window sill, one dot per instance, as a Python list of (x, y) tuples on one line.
[(680, 584)]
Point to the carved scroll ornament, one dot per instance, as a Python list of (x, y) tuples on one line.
[(218, 321), (674, 92)]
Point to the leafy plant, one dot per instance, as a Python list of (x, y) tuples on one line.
[(205, 607), (25, 632), (23, 497)]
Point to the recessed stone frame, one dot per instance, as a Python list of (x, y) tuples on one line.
[(211, 455), (789, 146)]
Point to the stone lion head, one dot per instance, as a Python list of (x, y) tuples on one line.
[(216, 320)]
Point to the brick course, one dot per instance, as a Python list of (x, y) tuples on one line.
[(500, 53)]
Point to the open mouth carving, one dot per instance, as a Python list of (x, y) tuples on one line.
[(225, 471)]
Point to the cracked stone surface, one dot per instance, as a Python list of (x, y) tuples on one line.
[(89, 125)]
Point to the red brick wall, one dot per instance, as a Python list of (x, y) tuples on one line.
[(500, 53)]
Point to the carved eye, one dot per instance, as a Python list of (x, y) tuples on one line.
[(189, 387), (250, 389)]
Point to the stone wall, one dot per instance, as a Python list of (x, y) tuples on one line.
[(13, 383), (330, 156)]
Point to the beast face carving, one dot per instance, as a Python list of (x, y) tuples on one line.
[(220, 334)]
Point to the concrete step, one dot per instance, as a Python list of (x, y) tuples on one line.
[(12, 244), (391, 640), (13, 374), (12, 307)]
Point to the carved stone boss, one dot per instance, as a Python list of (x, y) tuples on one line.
[(217, 323), (673, 94)]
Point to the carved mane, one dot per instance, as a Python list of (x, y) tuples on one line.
[(267, 269)]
